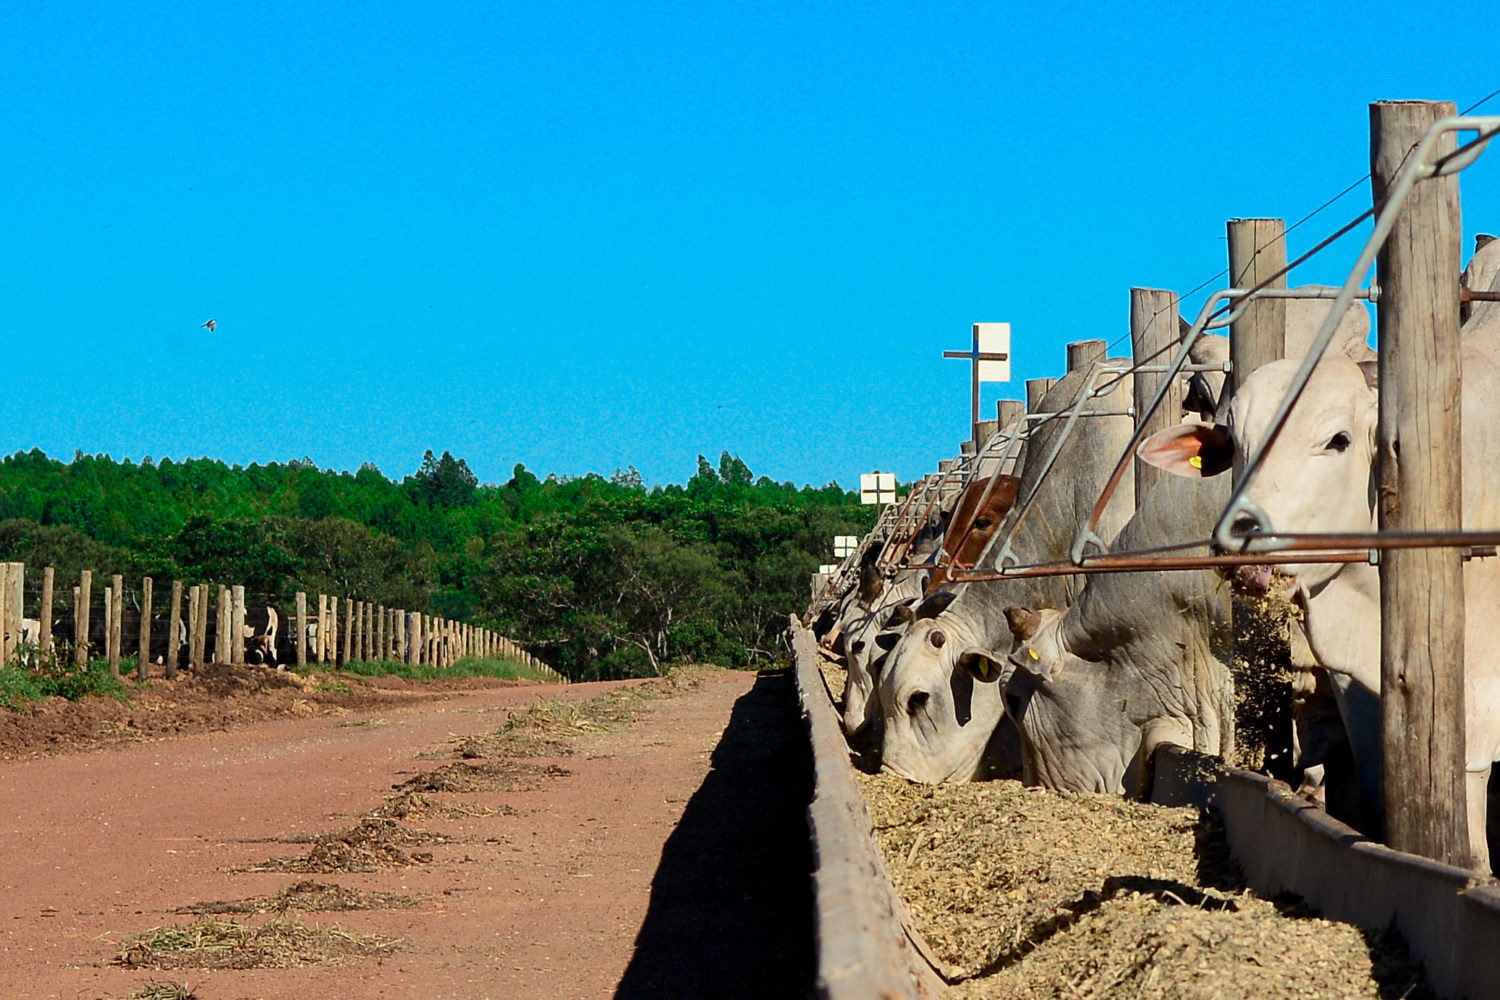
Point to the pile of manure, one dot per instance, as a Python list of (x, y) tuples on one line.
[(369, 845), (307, 896)]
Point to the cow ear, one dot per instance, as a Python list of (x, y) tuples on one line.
[(981, 666), (1189, 450), (935, 604), (887, 640), (1023, 622), (1371, 370)]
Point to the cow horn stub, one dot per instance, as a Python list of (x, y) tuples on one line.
[(901, 615), (1023, 622)]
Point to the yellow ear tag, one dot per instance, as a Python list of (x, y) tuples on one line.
[(1032, 654), (1196, 461)]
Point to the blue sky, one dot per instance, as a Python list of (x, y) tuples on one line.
[(583, 236)]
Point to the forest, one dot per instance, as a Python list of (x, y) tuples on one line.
[(600, 577)]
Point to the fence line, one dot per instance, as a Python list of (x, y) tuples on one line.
[(133, 626)]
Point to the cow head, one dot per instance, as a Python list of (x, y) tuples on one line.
[(1317, 477), (939, 701), (1076, 733)]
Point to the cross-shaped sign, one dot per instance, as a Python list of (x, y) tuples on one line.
[(990, 357), (877, 487), (843, 545)]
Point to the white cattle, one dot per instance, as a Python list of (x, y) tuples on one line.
[(1319, 477)]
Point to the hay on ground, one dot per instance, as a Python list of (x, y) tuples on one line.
[(370, 845), (226, 944), (307, 896)]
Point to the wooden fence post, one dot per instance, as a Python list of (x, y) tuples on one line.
[(17, 601), (143, 651), (1153, 331), (1082, 353), (195, 595), (331, 647), (223, 626), (237, 624), (44, 615), (320, 647), (1421, 479), (174, 632), (1257, 250), (81, 601), (351, 652), (112, 628), (364, 630), (301, 629), (200, 628), (7, 637)]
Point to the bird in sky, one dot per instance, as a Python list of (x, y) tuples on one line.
[(210, 325)]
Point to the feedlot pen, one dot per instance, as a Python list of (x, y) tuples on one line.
[(1008, 891)]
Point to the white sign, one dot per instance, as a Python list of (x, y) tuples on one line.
[(993, 338), (826, 570), (877, 487), (843, 545)]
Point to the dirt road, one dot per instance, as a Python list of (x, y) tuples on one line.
[(670, 861)]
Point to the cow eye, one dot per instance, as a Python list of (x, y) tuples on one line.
[(1339, 442), (917, 702)]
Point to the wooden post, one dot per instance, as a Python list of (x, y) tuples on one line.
[(380, 619), (112, 628), (1418, 438), (200, 628), (364, 630), (351, 652), (44, 615), (237, 624), (320, 647), (143, 649), (7, 639), (195, 596), (401, 648), (1036, 388), (174, 632), (1082, 353), (222, 626), (331, 646), (301, 629), (1153, 331), (81, 618), (17, 601), (1257, 250)]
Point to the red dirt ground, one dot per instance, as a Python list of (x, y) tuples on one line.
[(593, 882)]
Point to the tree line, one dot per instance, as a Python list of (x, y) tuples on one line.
[(604, 577)]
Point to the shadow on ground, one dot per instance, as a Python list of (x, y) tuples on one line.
[(731, 904)]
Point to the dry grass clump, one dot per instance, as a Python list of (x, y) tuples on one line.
[(416, 805), (1262, 671), (225, 944), (370, 845), (1150, 947), (308, 896), (155, 990), (489, 776), (991, 868)]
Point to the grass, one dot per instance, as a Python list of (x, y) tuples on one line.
[(51, 677), (469, 666)]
